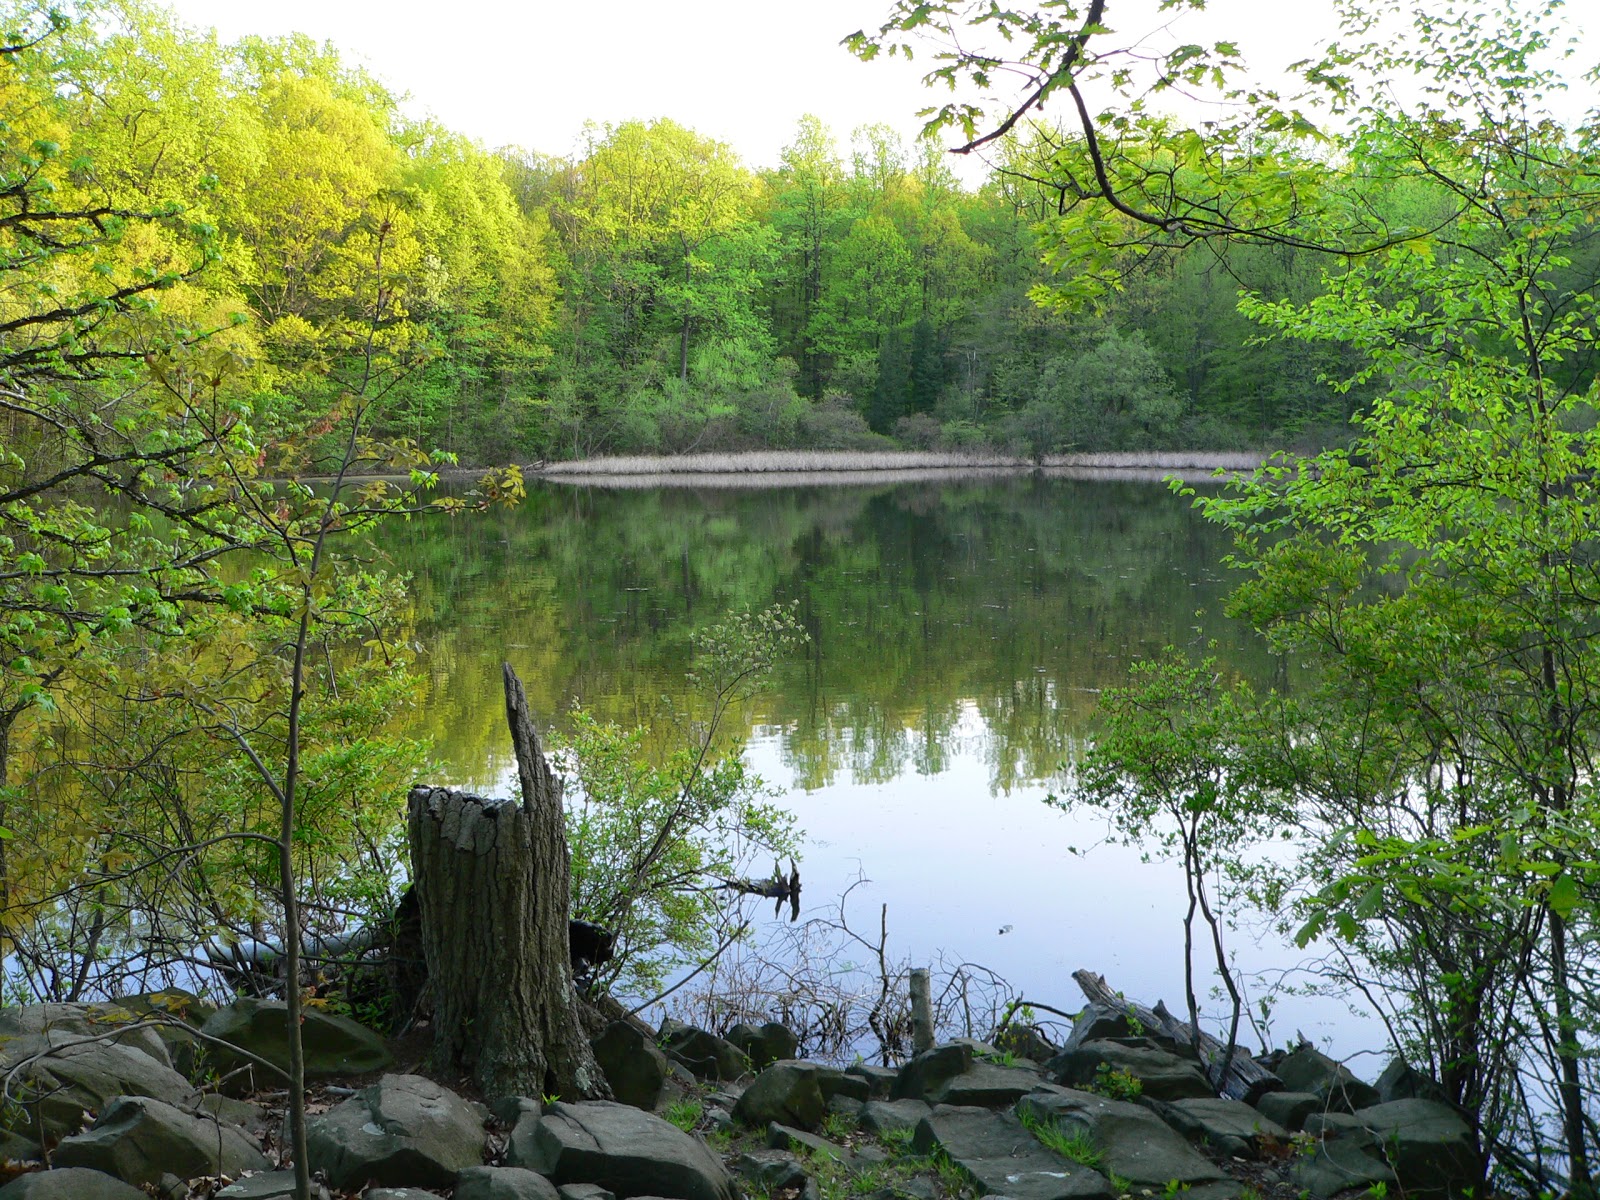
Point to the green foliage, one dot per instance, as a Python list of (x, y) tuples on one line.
[(685, 1113), (837, 1126), (1178, 766), (655, 834), (1075, 1145), (1118, 1084)]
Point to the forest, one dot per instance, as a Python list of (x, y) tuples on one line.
[(652, 293)]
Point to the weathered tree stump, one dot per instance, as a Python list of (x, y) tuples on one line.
[(491, 879)]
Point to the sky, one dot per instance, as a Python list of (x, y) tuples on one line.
[(531, 72)]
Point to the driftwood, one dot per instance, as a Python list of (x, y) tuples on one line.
[(1245, 1079), (779, 888)]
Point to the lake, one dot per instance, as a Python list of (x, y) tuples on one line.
[(961, 630)]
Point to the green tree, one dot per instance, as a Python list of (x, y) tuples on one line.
[(1439, 573)]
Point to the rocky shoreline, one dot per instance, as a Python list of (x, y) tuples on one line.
[(140, 1098)]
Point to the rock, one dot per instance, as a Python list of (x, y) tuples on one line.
[(1096, 1022), (1162, 1075), (1400, 1082), (1289, 1109), (1341, 1162), (765, 1045), (181, 1006), (138, 1139), (1428, 1146), (508, 1110), (69, 1183), (879, 1117), (621, 1148), (584, 1191), (1309, 1070), (268, 1185), (54, 1092), (1230, 1127), (836, 1084), (705, 1054), (771, 1170), (335, 1046), (880, 1080), (1131, 1140), (984, 1084), (16, 1148), (252, 1118), (1025, 1041), (1004, 1157), (931, 1068), (634, 1066), (402, 1130), (401, 1193), (787, 1092), (503, 1183), (847, 1107), (786, 1137), (52, 1024)]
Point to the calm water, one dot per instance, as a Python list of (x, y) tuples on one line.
[(960, 632)]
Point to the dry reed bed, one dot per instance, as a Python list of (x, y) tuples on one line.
[(754, 480), (856, 464)]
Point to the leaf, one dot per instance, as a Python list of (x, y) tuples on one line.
[(1371, 902), (1563, 896)]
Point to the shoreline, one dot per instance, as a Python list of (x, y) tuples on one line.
[(876, 462), (800, 468), (774, 469)]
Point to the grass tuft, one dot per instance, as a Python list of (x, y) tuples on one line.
[(1074, 1145), (685, 1114)]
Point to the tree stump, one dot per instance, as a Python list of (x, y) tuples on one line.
[(491, 880)]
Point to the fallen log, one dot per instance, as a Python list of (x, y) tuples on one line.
[(1245, 1079), (778, 888)]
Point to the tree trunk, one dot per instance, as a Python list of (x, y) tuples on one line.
[(491, 878)]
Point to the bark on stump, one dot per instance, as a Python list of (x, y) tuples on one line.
[(491, 879)]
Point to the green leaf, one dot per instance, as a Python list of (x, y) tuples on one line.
[(1371, 902), (1564, 896)]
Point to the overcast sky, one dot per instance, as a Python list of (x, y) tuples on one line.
[(530, 73)]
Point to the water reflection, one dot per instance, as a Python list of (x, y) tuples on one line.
[(1016, 598), (960, 633)]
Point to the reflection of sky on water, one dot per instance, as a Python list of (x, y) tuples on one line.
[(961, 634), (956, 863)]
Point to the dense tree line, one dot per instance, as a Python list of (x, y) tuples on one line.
[(652, 292)]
